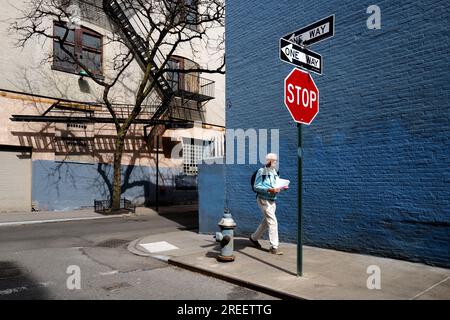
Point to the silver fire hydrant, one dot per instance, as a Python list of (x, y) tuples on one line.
[(225, 237)]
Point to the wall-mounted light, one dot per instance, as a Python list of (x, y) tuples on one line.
[(83, 74)]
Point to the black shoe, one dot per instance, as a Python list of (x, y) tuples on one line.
[(276, 251), (255, 243)]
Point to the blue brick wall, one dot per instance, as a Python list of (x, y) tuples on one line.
[(69, 185), (376, 174)]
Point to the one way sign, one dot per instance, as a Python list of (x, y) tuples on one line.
[(313, 33), (300, 56)]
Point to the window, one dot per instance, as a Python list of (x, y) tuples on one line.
[(174, 77), (194, 151), (188, 13), (191, 12), (85, 44), (179, 81)]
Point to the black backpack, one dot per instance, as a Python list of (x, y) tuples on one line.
[(252, 180)]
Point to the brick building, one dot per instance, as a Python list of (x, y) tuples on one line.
[(376, 176)]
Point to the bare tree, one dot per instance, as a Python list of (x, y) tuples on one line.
[(166, 26)]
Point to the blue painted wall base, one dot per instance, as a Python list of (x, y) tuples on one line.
[(211, 193), (70, 185)]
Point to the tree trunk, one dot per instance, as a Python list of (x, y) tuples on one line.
[(117, 182)]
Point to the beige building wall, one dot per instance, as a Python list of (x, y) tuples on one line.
[(23, 70), (45, 139)]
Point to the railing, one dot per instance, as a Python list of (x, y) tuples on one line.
[(124, 111), (104, 206), (191, 83), (207, 87)]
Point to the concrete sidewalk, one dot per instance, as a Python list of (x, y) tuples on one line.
[(23, 218), (328, 274)]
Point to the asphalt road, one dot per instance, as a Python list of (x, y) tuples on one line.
[(43, 261)]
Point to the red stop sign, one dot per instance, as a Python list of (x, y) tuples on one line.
[(301, 96)]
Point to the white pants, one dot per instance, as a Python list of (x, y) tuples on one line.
[(269, 221)]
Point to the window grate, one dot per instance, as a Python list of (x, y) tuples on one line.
[(194, 151)]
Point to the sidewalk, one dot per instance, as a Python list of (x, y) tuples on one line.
[(328, 274), (23, 218)]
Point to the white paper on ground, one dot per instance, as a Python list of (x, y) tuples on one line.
[(158, 246), (281, 183)]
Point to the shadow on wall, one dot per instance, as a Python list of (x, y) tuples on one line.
[(68, 185), (83, 174)]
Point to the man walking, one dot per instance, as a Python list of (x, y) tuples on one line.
[(266, 195)]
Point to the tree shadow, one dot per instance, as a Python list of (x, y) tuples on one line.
[(17, 284), (98, 149)]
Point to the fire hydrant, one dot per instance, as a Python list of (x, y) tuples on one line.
[(225, 237)]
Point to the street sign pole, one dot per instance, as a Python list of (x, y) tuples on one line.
[(157, 175), (299, 201), (301, 96)]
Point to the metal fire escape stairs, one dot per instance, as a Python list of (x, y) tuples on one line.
[(140, 47)]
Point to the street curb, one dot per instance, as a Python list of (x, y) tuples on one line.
[(132, 247), (31, 222), (253, 286)]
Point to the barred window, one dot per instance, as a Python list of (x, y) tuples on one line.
[(194, 150)]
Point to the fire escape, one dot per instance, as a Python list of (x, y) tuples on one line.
[(167, 90), (155, 116)]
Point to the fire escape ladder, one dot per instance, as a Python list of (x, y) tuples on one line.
[(141, 48)]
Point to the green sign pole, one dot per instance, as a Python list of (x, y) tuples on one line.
[(299, 201)]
